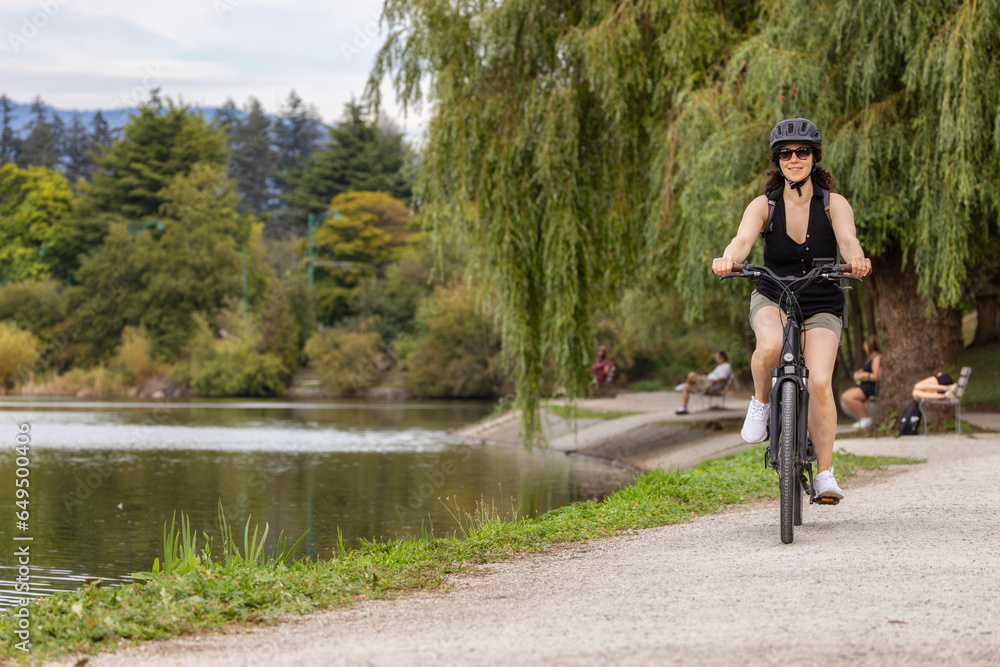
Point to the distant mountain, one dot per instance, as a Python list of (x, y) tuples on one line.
[(21, 116)]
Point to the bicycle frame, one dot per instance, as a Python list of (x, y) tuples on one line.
[(791, 368)]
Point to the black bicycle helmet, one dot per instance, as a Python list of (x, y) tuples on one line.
[(795, 129)]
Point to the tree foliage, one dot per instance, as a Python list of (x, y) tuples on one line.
[(193, 265), (581, 147), (546, 150), (157, 145), (36, 209), (361, 155)]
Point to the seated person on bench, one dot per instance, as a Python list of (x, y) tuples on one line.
[(696, 382), (603, 367), (855, 398)]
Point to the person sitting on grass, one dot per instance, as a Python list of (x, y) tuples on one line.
[(702, 383)]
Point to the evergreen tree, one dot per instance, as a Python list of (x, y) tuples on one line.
[(157, 145), (101, 134), (193, 264), (9, 143), (77, 151), (226, 119), (41, 148), (360, 155), (253, 159), (298, 133)]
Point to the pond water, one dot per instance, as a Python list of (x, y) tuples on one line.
[(105, 476)]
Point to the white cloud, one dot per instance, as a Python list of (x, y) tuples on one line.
[(89, 53)]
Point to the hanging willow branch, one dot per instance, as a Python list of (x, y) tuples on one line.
[(544, 153)]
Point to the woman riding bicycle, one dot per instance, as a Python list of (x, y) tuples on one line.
[(799, 231)]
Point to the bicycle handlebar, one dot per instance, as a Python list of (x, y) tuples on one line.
[(845, 268), (828, 272)]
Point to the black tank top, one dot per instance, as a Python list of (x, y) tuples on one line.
[(786, 257)]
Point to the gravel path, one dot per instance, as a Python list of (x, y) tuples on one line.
[(906, 570)]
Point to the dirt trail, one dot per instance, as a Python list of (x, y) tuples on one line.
[(906, 570)]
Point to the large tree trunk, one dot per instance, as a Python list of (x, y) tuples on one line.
[(988, 313), (916, 345)]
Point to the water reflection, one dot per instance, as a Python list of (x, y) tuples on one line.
[(106, 475)]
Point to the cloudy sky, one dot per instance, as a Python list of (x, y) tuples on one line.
[(101, 54)]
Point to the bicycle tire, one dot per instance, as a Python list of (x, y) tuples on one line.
[(788, 480), (797, 495)]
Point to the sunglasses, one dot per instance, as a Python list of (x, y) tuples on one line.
[(785, 154)]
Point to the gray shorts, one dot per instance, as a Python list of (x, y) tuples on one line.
[(817, 321)]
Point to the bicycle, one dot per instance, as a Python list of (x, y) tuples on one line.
[(790, 451)]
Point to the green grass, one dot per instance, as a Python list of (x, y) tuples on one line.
[(199, 593), (575, 412), (984, 383), (647, 385)]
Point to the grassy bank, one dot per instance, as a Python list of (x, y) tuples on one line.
[(210, 595)]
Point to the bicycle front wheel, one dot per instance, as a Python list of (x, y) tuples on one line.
[(788, 479)]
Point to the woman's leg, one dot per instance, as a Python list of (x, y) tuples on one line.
[(929, 388), (767, 327), (853, 400), (820, 351)]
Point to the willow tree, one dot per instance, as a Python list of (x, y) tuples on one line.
[(908, 95), (545, 151)]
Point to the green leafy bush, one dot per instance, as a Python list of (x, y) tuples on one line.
[(230, 366), (34, 305), (19, 351), (346, 360), (457, 352), (133, 359), (240, 372)]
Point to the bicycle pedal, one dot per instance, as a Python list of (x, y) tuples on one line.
[(824, 500)]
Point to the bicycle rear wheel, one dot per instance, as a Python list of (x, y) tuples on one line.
[(788, 479)]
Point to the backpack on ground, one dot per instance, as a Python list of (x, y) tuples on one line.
[(909, 422)]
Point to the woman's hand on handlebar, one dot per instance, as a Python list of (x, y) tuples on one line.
[(722, 266), (861, 266)]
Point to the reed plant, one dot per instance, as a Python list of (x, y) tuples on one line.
[(181, 555)]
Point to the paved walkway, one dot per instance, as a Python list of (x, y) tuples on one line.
[(655, 436), (905, 571)]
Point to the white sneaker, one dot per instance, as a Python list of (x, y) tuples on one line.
[(826, 485), (755, 425), (862, 424), (680, 386)]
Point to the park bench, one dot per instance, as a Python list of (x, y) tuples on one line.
[(963, 382), (716, 391)]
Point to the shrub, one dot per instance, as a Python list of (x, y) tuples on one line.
[(457, 352), (18, 351), (133, 359), (240, 372), (34, 305), (230, 366), (346, 360)]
